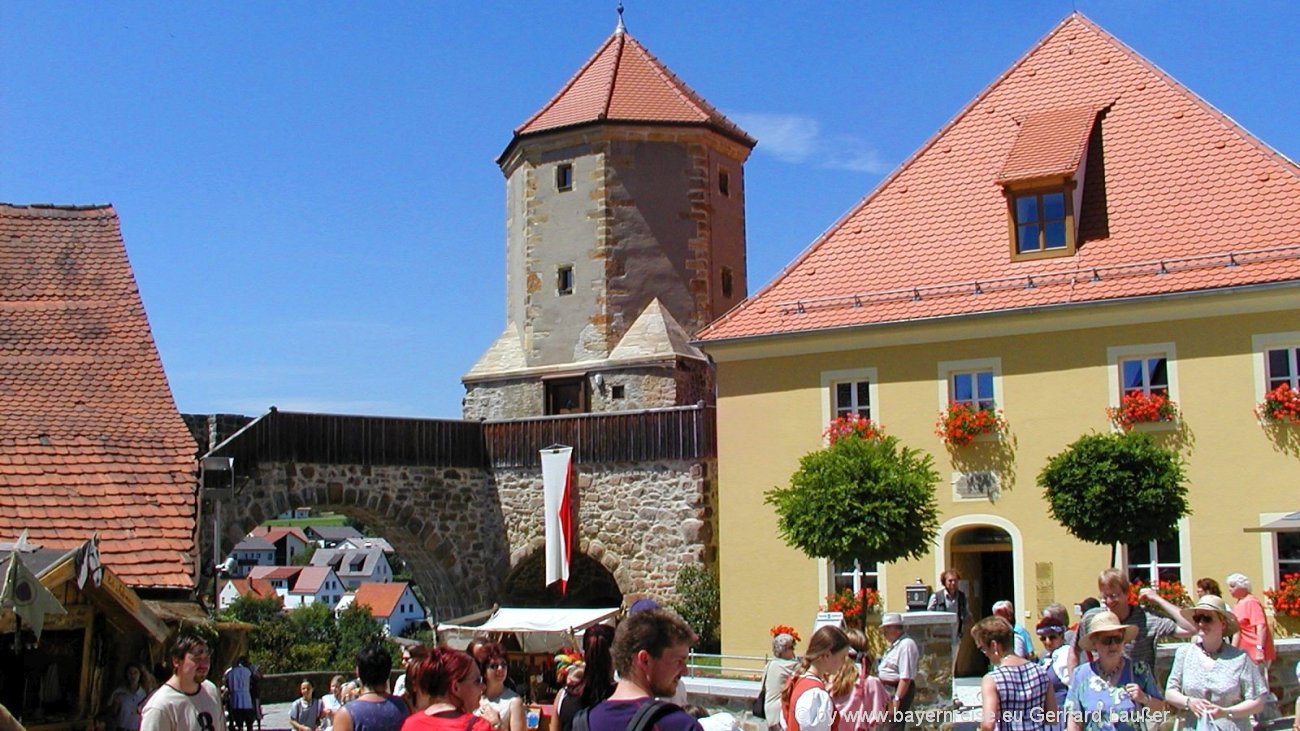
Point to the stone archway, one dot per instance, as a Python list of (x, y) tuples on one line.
[(590, 585), (445, 523)]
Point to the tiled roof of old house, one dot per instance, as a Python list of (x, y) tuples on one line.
[(1176, 198), (257, 588), (90, 438), (623, 82), (381, 598)]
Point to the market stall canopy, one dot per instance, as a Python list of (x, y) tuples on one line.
[(538, 630), (1289, 523)]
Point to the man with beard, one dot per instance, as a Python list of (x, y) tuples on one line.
[(649, 653), (188, 701)]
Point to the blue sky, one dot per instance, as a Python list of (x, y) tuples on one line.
[(309, 195)]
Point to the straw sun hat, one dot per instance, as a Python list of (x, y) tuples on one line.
[(1105, 621), (1212, 603)]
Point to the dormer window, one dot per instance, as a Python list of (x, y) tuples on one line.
[(1042, 179), (1043, 222)]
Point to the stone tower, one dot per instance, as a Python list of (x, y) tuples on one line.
[(625, 216)]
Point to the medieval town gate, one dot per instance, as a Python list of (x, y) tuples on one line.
[(461, 501)]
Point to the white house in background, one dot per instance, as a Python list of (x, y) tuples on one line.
[(250, 552), (315, 584), (329, 536), (301, 585), (295, 514), (235, 588), (364, 542), (355, 566), (290, 542), (393, 604)]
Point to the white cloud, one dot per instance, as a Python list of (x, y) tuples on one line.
[(798, 139)]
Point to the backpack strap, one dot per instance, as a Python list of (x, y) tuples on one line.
[(647, 714), (580, 720)]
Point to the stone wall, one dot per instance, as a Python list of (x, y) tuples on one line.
[(642, 522), (461, 531), (682, 383), (445, 523)]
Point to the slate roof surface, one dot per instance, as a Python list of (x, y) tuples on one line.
[(341, 560), (335, 532), (623, 82), (254, 543), (381, 598), (90, 438), (1177, 198)]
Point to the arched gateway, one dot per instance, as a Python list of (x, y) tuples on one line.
[(461, 501)]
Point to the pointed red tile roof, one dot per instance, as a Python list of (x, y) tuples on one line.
[(623, 82), (1177, 198), (90, 438), (381, 598)]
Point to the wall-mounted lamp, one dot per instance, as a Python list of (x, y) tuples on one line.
[(599, 380)]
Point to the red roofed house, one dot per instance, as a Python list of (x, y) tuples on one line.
[(392, 603), (1086, 227), (301, 585), (625, 235), (235, 588), (90, 438)]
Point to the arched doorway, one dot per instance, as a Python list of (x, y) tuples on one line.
[(590, 585), (983, 554)]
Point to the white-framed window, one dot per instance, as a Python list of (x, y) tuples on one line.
[(1146, 368), (1277, 361), (977, 383), (850, 392), (1288, 554), (1154, 561), (855, 577)]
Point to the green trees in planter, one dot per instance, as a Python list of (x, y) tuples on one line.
[(1116, 488), (869, 499)]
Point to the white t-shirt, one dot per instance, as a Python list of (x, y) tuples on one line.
[(169, 709)]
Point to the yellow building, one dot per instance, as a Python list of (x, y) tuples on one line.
[(1085, 228)]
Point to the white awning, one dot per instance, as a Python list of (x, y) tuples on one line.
[(538, 630), (1286, 524)]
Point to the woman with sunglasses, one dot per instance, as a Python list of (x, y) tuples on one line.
[(508, 705), (1056, 656), (1212, 678), (1111, 691), (447, 685), (1017, 695)]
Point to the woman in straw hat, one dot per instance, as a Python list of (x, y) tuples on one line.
[(1211, 678), (1111, 691), (1017, 694)]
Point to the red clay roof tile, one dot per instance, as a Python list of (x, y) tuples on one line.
[(623, 82), (381, 598), (90, 438), (1177, 198)]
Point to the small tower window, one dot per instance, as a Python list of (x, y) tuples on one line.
[(564, 176), (617, 392), (727, 282), (564, 279), (724, 183)]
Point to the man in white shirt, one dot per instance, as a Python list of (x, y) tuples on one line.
[(897, 668), (188, 701)]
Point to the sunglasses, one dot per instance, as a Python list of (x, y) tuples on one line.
[(1203, 618), (1109, 640)]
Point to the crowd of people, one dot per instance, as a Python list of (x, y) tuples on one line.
[(628, 680), (1097, 674)]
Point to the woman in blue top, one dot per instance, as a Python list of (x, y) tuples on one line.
[(1111, 693)]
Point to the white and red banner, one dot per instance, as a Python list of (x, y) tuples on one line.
[(558, 493)]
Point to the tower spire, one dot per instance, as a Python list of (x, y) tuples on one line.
[(620, 28)]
